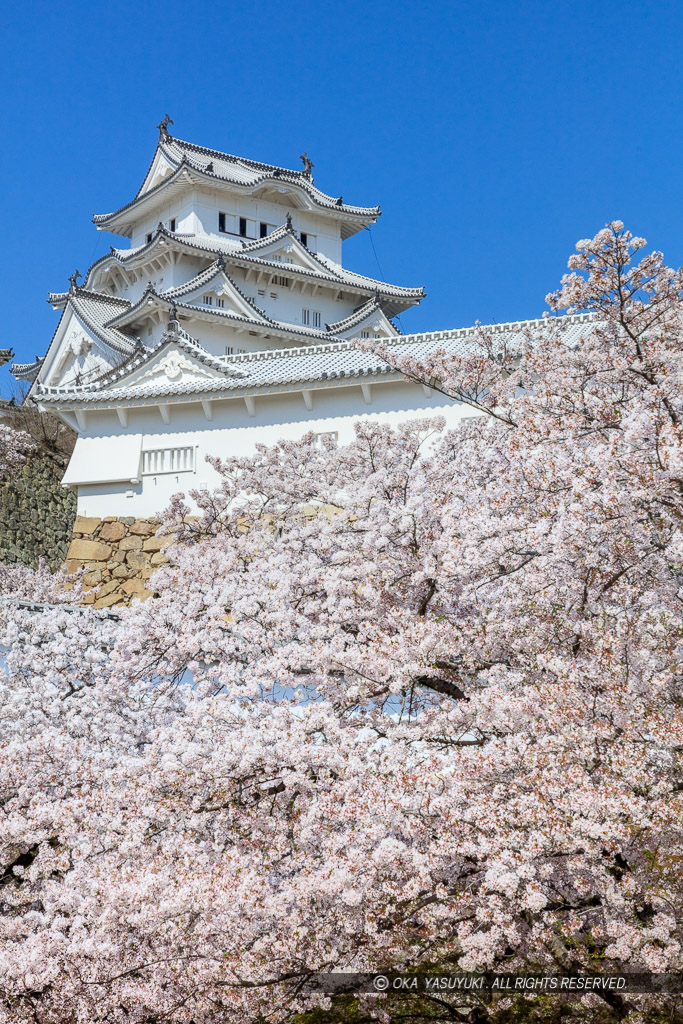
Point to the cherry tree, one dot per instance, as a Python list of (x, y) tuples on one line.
[(15, 445), (414, 702)]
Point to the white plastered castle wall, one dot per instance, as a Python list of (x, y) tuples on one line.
[(196, 212), (232, 431)]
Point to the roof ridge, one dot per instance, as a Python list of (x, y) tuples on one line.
[(407, 339), (231, 157), (359, 314)]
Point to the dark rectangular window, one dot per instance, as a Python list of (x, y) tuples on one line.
[(304, 238), (172, 224), (243, 227), (221, 222), (149, 237), (263, 230)]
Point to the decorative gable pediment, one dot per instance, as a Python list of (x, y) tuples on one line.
[(284, 248), (76, 354), (215, 292), (369, 321), (171, 365)]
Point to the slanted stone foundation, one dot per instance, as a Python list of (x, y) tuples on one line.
[(120, 556), (36, 512)]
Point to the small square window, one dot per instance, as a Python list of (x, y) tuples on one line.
[(220, 302), (273, 295), (208, 300), (172, 224), (304, 238), (263, 229)]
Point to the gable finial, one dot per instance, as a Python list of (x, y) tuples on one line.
[(308, 163), (73, 280), (340, 201), (220, 263), (164, 133), (173, 322), (289, 222)]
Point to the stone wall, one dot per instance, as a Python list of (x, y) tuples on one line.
[(120, 556), (36, 512)]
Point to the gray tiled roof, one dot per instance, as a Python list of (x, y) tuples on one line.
[(27, 371), (337, 361), (96, 310), (355, 318), (212, 165), (245, 254)]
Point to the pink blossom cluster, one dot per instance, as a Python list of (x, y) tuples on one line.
[(15, 445), (417, 700)]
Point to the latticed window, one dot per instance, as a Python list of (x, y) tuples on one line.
[(327, 439), (168, 460), (311, 317)]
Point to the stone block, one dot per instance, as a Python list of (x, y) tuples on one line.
[(108, 601), (112, 531), (108, 588), (91, 579), (155, 543), (86, 524), (131, 543), (73, 565), (137, 560), (158, 559), (88, 598), (147, 572), (121, 572), (136, 587), (89, 551), (143, 528), (127, 520)]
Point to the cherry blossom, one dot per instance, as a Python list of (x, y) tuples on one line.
[(409, 702), (15, 445)]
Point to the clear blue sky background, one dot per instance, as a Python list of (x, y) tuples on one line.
[(493, 134)]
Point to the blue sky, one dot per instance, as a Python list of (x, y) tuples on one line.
[(493, 134)]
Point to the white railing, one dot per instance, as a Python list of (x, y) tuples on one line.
[(168, 460)]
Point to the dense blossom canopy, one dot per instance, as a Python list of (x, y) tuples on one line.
[(416, 701)]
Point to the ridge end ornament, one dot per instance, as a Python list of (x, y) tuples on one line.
[(164, 133), (308, 164)]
